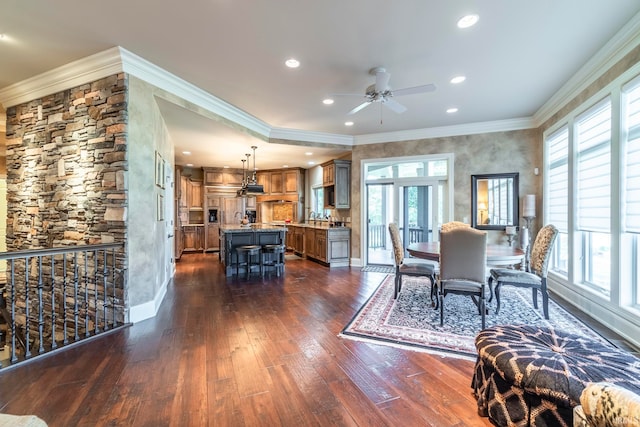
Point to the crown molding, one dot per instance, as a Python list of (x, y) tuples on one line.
[(625, 40), (151, 73), (445, 131), (311, 136), (75, 73)]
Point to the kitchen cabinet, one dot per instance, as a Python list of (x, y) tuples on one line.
[(213, 237), (276, 183), (195, 195), (295, 239), (330, 246), (220, 177), (282, 184), (336, 180), (193, 237)]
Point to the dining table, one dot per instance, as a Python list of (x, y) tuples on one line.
[(497, 255)]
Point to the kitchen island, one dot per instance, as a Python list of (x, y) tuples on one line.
[(238, 235)]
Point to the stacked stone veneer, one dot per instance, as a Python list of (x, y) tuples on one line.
[(66, 170)]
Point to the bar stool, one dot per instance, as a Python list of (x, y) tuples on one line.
[(250, 258), (273, 256)]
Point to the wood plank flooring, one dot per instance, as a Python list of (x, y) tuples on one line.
[(225, 352)]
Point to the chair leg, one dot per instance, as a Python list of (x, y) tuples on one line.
[(545, 298), (534, 295), (490, 282), (441, 309), (482, 310), (496, 290)]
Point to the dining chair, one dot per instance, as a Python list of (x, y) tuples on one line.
[(451, 225), (463, 260), (409, 266), (536, 278)]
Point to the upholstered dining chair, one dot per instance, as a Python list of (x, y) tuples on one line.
[(408, 266), (536, 278), (452, 224), (463, 260)]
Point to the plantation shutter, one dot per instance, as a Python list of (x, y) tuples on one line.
[(558, 180), (594, 169), (631, 220)]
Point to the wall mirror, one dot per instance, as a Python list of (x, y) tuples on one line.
[(494, 201)]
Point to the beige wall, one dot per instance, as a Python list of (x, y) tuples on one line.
[(498, 152)]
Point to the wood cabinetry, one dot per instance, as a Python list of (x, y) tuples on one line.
[(295, 239), (220, 177), (195, 195), (213, 237), (329, 245), (282, 184), (336, 180), (193, 237)]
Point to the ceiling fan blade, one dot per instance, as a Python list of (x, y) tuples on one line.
[(413, 90), (346, 94), (394, 105), (359, 107), (382, 80)]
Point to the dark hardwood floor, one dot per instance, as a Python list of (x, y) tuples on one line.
[(225, 352)]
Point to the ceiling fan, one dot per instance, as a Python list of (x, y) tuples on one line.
[(382, 93)]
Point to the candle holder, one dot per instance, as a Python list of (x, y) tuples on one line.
[(526, 240), (511, 232)]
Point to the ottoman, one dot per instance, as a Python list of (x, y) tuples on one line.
[(533, 376)]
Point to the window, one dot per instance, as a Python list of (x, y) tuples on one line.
[(593, 138), (631, 192), (557, 197), (318, 201)]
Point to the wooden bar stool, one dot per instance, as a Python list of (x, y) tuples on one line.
[(248, 256), (273, 256)]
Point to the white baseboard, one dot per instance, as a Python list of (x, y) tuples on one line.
[(356, 262), (147, 310)]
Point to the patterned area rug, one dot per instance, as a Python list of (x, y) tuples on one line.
[(411, 321), (378, 269)]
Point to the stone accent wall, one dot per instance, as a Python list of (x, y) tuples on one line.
[(66, 164), (67, 186)]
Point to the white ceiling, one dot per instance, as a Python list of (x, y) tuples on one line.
[(515, 59)]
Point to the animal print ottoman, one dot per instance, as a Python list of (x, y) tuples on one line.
[(531, 376)]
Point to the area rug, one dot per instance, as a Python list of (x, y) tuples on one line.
[(411, 322), (378, 269)]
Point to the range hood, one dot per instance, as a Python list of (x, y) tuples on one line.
[(250, 190)]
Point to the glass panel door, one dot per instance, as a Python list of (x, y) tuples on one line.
[(417, 211), (379, 213)]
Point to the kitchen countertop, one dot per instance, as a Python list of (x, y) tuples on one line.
[(254, 227), (322, 225)]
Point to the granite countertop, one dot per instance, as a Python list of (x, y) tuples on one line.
[(321, 225), (253, 227)]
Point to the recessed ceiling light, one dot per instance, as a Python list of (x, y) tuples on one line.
[(190, 164), (292, 63), (312, 163), (458, 79), (327, 101), (452, 110), (285, 166), (186, 153), (348, 123), (3, 37), (225, 167), (309, 153), (468, 21)]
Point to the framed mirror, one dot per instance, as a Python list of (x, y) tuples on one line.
[(494, 201)]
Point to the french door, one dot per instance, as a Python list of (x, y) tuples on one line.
[(412, 203)]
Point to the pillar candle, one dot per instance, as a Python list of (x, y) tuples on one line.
[(529, 206)]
